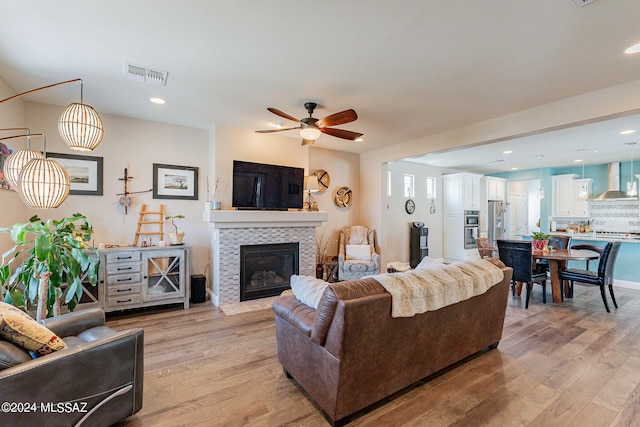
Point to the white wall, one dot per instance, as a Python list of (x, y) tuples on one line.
[(397, 221), (344, 170), (136, 145)]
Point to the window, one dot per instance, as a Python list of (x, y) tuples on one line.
[(409, 185), (430, 187)]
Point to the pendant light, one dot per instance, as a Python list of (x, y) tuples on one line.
[(41, 183), (14, 163), (584, 192), (540, 187), (79, 126), (632, 187)]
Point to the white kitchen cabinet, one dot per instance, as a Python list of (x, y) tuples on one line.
[(453, 236), (461, 192), (494, 188), (566, 197)]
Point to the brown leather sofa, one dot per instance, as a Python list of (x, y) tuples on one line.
[(350, 352), (96, 381)]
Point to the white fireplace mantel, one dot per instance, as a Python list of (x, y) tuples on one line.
[(231, 229), (263, 219)]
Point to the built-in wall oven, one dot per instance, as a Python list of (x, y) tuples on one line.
[(471, 228)]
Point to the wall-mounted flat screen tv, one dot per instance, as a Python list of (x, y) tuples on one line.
[(262, 186)]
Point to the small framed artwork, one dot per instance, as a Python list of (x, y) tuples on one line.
[(175, 182), (85, 173)]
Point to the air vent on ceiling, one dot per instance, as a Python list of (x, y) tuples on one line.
[(580, 3), (145, 74)]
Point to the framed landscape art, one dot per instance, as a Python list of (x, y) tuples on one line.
[(175, 182), (85, 173)]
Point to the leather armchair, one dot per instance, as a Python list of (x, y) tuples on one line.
[(96, 381), (350, 269)]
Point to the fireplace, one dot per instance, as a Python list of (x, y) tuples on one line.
[(265, 270)]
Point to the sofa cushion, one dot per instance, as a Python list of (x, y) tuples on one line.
[(307, 289), (17, 327), (358, 252), (12, 355)]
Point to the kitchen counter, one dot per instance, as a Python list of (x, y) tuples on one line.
[(600, 237)]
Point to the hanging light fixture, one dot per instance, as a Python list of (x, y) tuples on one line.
[(79, 126), (14, 163), (540, 187), (584, 191), (41, 183), (632, 187)]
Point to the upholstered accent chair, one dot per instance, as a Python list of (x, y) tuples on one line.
[(357, 253)]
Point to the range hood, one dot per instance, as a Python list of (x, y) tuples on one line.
[(613, 185)]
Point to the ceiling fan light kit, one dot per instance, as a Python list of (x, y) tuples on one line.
[(311, 128)]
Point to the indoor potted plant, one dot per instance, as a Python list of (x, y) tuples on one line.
[(175, 238), (540, 240), (57, 259)]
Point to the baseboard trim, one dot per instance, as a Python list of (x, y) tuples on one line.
[(627, 284)]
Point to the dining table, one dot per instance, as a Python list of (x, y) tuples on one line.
[(557, 261)]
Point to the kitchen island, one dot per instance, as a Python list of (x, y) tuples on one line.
[(626, 271)]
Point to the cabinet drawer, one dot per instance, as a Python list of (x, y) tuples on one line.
[(123, 290), (124, 279), (123, 267), (124, 300), (124, 257)]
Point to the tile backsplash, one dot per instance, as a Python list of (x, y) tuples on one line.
[(609, 215)]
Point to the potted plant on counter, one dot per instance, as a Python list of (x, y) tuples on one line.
[(53, 258), (540, 240)]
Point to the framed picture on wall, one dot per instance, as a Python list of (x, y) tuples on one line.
[(85, 173), (175, 182)]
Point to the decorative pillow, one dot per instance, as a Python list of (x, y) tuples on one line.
[(308, 289), (359, 252), (428, 263), (17, 327)]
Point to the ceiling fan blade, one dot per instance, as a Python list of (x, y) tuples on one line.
[(307, 141), (283, 115), (277, 130), (340, 118), (341, 133)]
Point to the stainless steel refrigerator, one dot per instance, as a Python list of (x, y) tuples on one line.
[(496, 221)]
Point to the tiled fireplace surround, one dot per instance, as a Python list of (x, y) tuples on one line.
[(228, 230)]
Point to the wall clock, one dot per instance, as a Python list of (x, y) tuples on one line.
[(410, 206), (323, 179)]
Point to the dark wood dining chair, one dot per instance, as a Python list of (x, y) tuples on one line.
[(518, 254), (603, 277)]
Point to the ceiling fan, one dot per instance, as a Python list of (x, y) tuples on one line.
[(311, 128)]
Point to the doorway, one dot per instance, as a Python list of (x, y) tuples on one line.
[(518, 215)]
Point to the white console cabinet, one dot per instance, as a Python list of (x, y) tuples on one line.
[(141, 277)]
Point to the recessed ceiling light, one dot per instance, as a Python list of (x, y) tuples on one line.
[(359, 139), (507, 152), (514, 169), (578, 161), (157, 100), (627, 132), (633, 49)]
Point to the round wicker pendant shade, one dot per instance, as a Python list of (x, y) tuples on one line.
[(44, 184), (14, 163), (80, 127)]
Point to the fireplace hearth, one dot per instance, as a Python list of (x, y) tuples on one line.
[(266, 269)]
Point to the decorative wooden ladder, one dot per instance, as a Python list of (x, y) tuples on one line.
[(142, 221)]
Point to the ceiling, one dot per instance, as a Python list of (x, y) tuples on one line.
[(409, 69)]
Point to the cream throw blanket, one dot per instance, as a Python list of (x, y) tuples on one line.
[(417, 291)]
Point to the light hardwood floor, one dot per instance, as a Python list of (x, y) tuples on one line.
[(568, 364)]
